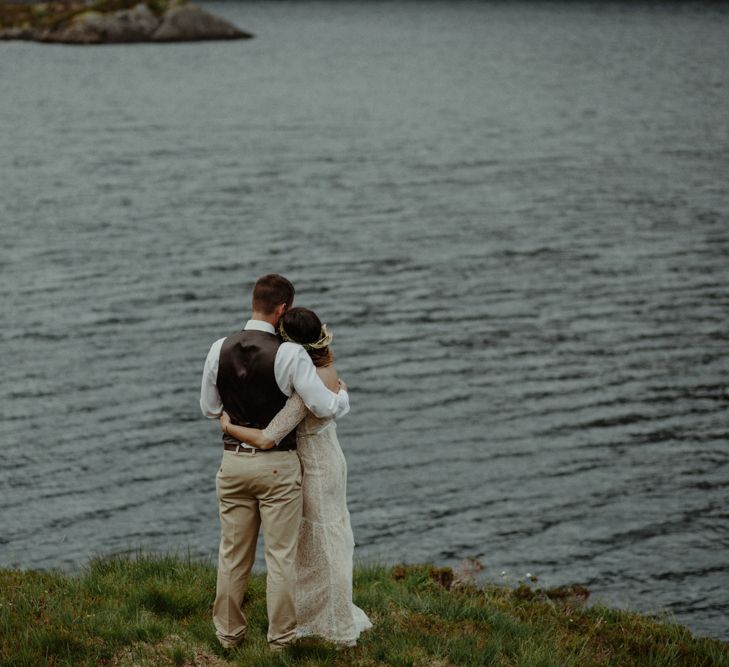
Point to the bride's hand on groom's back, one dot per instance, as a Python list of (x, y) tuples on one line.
[(224, 421)]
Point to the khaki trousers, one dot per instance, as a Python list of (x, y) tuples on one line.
[(254, 490)]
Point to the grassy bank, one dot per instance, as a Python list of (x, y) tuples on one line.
[(55, 12), (156, 611)]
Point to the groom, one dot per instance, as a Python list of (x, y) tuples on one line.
[(250, 375)]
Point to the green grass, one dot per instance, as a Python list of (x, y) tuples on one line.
[(146, 610), (55, 13)]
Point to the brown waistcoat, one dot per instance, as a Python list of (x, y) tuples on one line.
[(247, 382)]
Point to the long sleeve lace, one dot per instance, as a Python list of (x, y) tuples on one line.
[(286, 419)]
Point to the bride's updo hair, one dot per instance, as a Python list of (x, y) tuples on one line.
[(303, 326)]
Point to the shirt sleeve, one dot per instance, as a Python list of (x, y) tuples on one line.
[(210, 402), (295, 371)]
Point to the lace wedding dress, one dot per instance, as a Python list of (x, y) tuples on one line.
[(324, 604)]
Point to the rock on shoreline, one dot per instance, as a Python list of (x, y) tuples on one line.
[(113, 22)]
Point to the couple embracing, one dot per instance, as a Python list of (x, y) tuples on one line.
[(276, 392)]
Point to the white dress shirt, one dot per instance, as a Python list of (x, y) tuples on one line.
[(294, 371)]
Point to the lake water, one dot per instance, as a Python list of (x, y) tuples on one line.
[(514, 216)]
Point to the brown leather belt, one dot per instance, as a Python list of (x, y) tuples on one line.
[(252, 450)]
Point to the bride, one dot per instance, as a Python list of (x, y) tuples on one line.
[(323, 598)]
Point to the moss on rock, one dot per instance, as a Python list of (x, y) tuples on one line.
[(113, 22)]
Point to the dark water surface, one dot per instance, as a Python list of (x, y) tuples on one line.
[(514, 216)]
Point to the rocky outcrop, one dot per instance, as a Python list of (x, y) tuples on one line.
[(188, 22), (129, 25), (116, 22)]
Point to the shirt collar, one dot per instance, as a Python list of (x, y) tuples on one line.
[(259, 325)]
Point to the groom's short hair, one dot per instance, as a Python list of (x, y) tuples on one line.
[(271, 291)]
